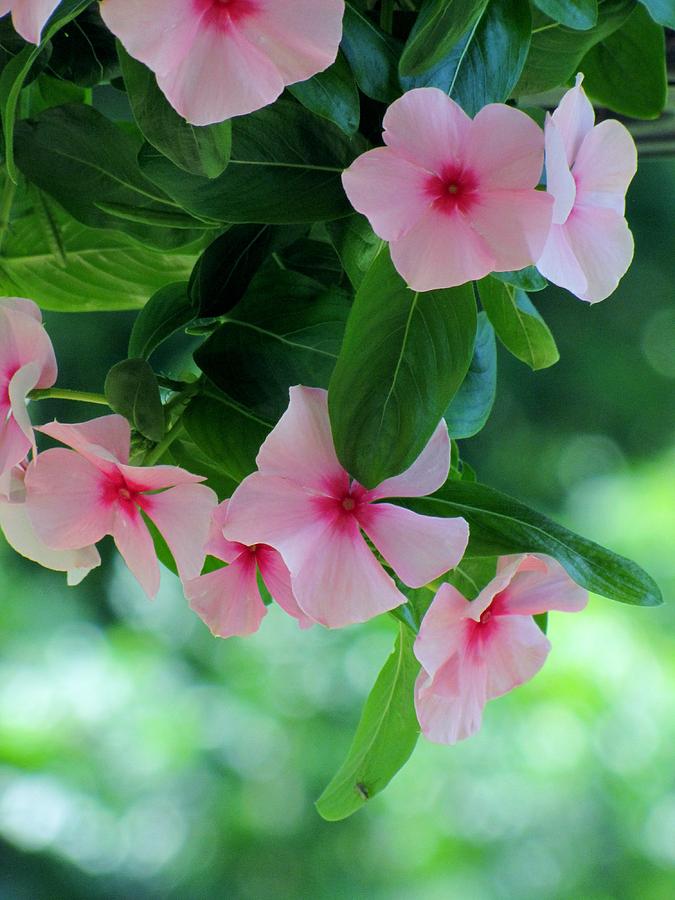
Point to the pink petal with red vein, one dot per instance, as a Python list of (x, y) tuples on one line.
[(101, 440), (135, 544), (425, 475), (228, 600), (277, 580)]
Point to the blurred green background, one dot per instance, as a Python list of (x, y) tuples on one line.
[(140, 757)]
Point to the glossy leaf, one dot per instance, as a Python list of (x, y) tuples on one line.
[(164, 314), (578, 14), (132, 391), (200, 151), (627, 71), (661, 11), (527, 279), (332, 94), (485, 64), (315, 259), (385, 737), (439, 26), (473, 402), (372, 56), (405, 355), (517, 324), (85, 52), (356, 244)]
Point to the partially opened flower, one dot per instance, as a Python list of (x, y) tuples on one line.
[(215, 59), (29, 17), (21, 536), (588, 170), (76, 497), (229, 600), (474, 651), (303, 503), (27, 361), (455, 197)]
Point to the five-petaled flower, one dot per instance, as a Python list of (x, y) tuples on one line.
[(229, 600), (303, 503), (455, 197), (75, 497), (588, 170), (474, 651), (215, 59), (29, 17)]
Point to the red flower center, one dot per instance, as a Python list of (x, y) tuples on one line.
[(222, 14), (455, 189)]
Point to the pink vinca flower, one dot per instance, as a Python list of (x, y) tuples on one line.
[(474, 651), (303, 503), (76, 497), (455, 197), (215, 59), (27, 361), (229, 600), (588, 170), (29, 17)]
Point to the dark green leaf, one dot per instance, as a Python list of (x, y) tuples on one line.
[(627, 71), (485, 64), (372, 55), (439, 26), (556, 50), (405, 355), (165, 313), (578, 14), (131, 389), (331, 94), (84, 52), (518, 324), (356, 244), (316, 259), (285, 168), (472, 403), (186, 454), (200, 151), (385, 737), (501, 525), (661, 11), (264, 348), (527, 279)]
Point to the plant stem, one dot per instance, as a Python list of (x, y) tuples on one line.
[(387, 16), (158, 452), (6, 203), (65, 394)]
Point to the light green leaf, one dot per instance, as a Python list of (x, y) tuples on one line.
[(356, 244), (661, 11)]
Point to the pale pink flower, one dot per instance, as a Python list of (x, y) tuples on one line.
[(455, 197), (21, 536), (215, 59), (29, 17), (27, 361), (76, 497), (228, 600), (474, 651), (588, 170), (303, 503)]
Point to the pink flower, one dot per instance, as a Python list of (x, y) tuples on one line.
[(27, 361), (454, 196), (302, 503), (21, 536), (29, 17), (215, 59), (588, 170), (472, 652), (229, 600), (75, 498)]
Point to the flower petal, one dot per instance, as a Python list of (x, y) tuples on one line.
[(156, 478), (101, 440), (14, 445), (19, 304), (603, 247), (277, 580), (418, 548), (135, 544), (558, 262), (425, 475), (605, 166), (560, 182), (441, 633), (505, 148), (216, 544), (537, 590), (450, 705), (574, 119), (514, 225), (24, 340), (228, 600), (30, 16), (19, 387), (517, 649)]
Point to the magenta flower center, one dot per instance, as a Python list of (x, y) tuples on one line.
[(222, 14), (454, 190)]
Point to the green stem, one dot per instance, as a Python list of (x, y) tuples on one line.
[(387, 16), (158, 452), (6, 203), (65, 394)]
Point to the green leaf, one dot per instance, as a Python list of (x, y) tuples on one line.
[(473, 402), (315, 259), (65, 266), (372, 56), (517, 323), (661, 11), (332, 94), (187, 455), (131, 389), (501, 525), (16, 72), (200, 151), (228, 435), (285, 168), (85, 52), (439, 26), (356, 244), (164, 314), (556, 50), (485, 64), (578, 14), (527, 279), (385, 737), (404, 356), (264, 348), (627, 71), (85, 162)]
